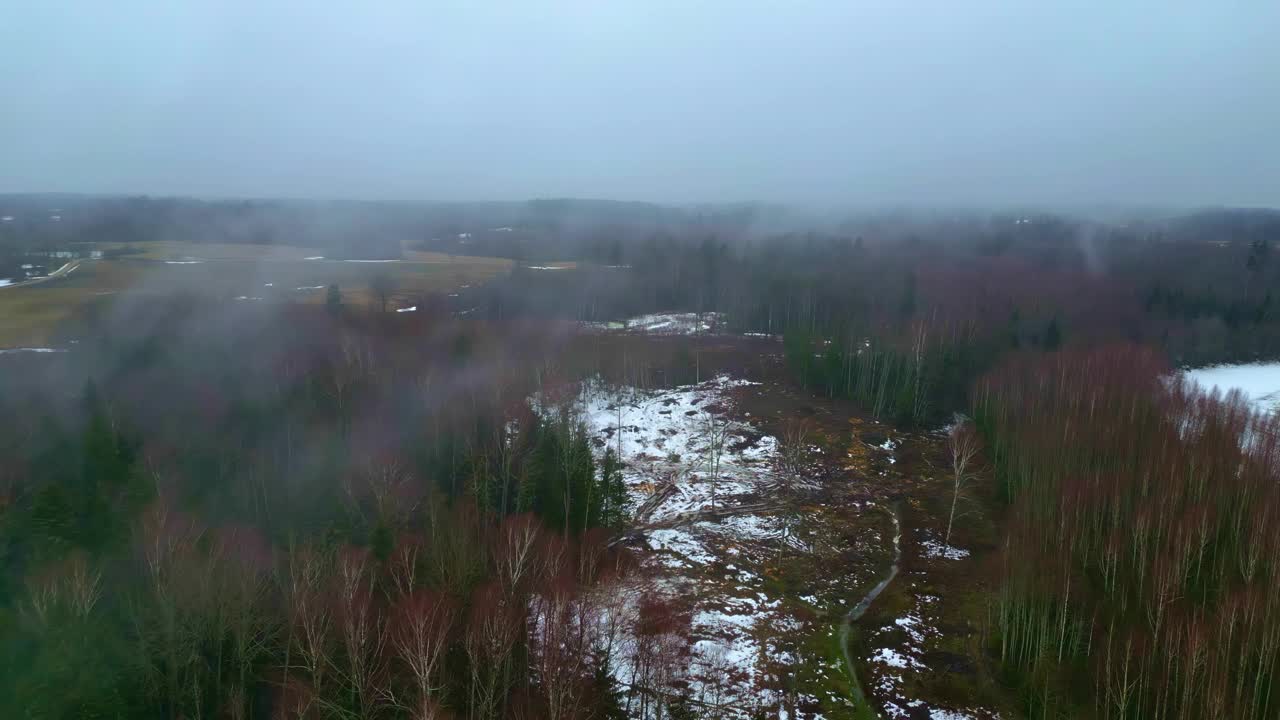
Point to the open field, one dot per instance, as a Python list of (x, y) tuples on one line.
[(29, 315)]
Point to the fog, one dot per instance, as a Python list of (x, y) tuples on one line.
[(839, 103)]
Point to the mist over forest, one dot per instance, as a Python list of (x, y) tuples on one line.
[(496, 459)]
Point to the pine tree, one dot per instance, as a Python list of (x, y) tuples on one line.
[(586, 500), (608, 694), (1052, 336), (612, 492)]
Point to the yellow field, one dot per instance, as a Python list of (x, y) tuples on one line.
[(30, 315)]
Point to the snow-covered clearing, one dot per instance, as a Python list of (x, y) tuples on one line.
[(663, 324), (666, 441), (408, 309), (708, 528), (1259, 382)]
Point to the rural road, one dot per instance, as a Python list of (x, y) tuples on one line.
[(63, 271)]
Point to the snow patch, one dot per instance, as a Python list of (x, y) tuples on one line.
[(1259, 382), (663, 324), (934, 549), (8, 351), (891, 657)]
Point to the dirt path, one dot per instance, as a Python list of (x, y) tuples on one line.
[(846, 627)]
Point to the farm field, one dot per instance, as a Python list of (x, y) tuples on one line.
[(32, 314)]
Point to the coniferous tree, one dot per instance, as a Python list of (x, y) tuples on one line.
[(1052, 336), (613, 492), (333, 299)]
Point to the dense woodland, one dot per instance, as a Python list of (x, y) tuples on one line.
[(312, 511), (1141, 554)]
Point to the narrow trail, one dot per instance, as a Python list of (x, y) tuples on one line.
[(846, 627)]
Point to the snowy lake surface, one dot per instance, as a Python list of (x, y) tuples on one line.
[(1260, 382)]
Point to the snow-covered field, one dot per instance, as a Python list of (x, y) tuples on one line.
[(663, 324), (1260, 382)]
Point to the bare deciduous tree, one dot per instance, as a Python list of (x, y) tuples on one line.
[(964, 443), (793, 450), (310, 615), (422, 622), (361, 630), (493, 626), (520, 539)]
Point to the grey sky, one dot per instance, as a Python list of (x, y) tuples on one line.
[(924, 102)]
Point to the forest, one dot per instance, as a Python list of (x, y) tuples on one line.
[(262, 510)]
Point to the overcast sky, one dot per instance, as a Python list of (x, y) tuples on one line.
[(920, 102)]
